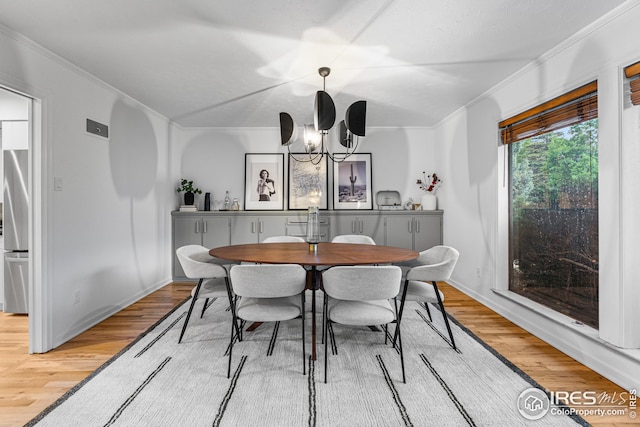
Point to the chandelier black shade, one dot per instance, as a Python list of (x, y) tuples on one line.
[(324, 112), (355, 118), (287, 129)]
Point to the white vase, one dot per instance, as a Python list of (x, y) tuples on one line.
[(429, 202)]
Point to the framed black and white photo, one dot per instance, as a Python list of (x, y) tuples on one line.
[(352, 183), (308, 183), (263, 182)]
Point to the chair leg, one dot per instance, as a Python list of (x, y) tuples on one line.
[(399, 335), (426, 306), (193, 302), (444, 315), (232, 305), (399, 317), (204, 307), (304, 366), (326, 341), (234, 323), (324, 313)]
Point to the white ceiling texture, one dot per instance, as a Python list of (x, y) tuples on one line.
[(238, 63)]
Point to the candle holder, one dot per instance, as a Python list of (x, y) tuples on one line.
[(313, 235)]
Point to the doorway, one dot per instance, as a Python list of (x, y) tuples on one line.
[(17, 114)]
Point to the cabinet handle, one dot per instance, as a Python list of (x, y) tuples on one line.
[(204, 226), (261, 227), (353, 227), (253, 227), (361, 227), (410, 226), (197, 226), (417, 225)]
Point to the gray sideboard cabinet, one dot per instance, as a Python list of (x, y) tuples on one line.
[(416, 230)]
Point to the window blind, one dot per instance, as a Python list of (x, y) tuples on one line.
[(577, 106), (633, 72)]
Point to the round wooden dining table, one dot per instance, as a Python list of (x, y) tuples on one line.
[(327, 254)]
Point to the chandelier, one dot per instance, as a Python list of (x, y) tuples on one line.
[(316, 135)]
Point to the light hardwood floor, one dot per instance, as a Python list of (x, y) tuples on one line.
[(30, 383)]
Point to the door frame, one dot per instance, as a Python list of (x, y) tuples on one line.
[(39, 302)]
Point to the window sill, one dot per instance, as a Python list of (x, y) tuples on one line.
[(567, 322)]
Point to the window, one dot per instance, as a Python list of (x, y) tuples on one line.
[(553, 202)]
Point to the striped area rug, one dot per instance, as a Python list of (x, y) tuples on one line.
[(157, 382)]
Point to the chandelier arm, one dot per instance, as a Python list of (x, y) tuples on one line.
[(314, 159), (346, 155)]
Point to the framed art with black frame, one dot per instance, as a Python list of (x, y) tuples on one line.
[(352, 183), (263, 182), (308, 183)]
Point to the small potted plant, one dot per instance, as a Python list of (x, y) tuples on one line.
[(189, 191)]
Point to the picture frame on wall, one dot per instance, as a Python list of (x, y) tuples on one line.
[(308, 183), (263, 181), (352, 183)]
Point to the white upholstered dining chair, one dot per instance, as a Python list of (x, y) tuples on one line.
[(269, 293), (361, 296), (354, 238), (420, 280), (282, 239), (212, 276)]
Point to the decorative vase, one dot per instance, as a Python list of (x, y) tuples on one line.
[(189, 198), (429, 202)]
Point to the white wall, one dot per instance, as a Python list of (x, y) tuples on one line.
[(476, 202), (105, 235), (214, 158)]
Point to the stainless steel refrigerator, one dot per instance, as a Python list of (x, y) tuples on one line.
[(16, 231)]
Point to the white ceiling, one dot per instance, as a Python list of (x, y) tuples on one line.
[(238, 63)]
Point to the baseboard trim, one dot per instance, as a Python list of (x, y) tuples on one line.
[(99, 316)]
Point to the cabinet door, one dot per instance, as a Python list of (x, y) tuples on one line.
[(399, 231), (427, 232), (244, 229), (372, 226), (270, 226), (344, 224), (216, 232), (186, 231)]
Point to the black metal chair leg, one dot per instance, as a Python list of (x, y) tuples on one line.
[(326, 341), (399, 335), (426, 306), (399, 318), (304, 369), (232, 306), (234, 323), (444, 315), (193, 302), (204, 307)]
